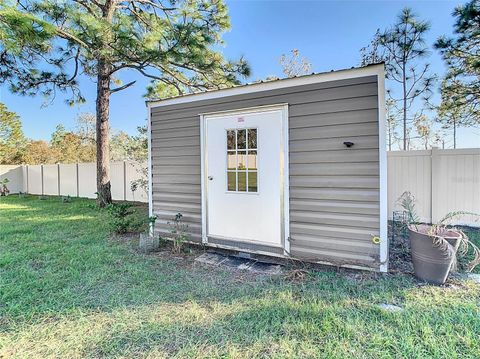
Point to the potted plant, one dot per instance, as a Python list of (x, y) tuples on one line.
[(148, 241), (436, 247)]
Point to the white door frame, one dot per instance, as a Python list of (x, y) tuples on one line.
[(284, 168)]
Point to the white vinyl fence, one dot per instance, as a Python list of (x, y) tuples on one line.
[(76, 180), (442, 181)]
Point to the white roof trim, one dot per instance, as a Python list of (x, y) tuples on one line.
[(273, 85)]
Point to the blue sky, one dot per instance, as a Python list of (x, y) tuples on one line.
[(328, 33)]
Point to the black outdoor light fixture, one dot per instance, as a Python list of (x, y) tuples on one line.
[(348, 144)]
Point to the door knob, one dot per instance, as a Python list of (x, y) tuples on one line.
[(210, 178)]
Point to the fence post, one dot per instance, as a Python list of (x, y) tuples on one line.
[(434, 184), (41, 176), (124, 180), (26, 171), (76, 180), (58, 178)]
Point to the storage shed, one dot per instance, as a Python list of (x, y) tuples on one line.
[(291, 168)]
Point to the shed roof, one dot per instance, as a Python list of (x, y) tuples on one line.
[(372, 69)]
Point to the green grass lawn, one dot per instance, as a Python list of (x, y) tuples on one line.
[(68, 290)]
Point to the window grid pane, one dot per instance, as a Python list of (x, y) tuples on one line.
[(242, 171)]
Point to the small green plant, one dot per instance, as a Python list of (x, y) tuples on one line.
[(4, 191), (437, 231), (407, 202), (151, 224), (22, 194), (178, 231), (120, 217)]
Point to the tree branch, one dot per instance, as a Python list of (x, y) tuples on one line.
[(122, 87)]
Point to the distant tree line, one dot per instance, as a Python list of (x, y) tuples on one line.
[(66, 145)]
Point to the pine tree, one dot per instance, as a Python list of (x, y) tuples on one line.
[(45, 45), (461, 88), (403, 48)]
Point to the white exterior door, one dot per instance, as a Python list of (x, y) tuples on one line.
[(244, 176)]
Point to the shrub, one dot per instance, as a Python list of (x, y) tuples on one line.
[(121, 218)]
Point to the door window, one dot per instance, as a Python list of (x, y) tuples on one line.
[(242, 170)]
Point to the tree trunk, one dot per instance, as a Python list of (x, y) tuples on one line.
[(104, 194)]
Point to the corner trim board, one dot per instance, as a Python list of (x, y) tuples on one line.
[(150, 174), (382, 151)]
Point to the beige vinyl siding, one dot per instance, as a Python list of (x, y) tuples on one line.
[(334, 191)]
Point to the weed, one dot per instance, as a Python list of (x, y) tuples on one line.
[(178, 231)]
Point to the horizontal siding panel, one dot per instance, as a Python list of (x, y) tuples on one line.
[(333, 119), (192, 150), (268, 96), (333, 168), (194, 226), (341, 194), (193, 237), (176, 142), (335, 182), (350, 104), (158, 123), (176, 133), (343, 156), (365, 248), (359, 233), (193, 160), (339, 131), (179, 170), (176, 179), (176, 207), (176, 188), (344, 207), (334, 256), (330, 144), (340, 219), (176, 197), (170, 216)]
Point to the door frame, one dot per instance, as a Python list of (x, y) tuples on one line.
[(284, 168)]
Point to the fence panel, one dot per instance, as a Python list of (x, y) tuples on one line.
[(34, 179), (456, 183), (133, 172), (410, 171), (117, 180), (442, 181), (15, 176), (50, 180), (87, 180), (68, 179)]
